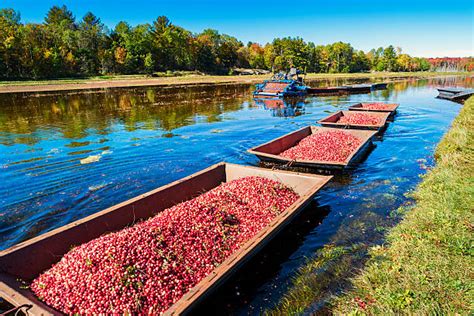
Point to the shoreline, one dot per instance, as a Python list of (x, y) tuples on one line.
[(425, 266), (135, 81)]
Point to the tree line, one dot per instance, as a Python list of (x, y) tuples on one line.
[(61, 46)]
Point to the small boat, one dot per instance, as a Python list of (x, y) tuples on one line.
[(270, 152), (24, 261), (282, 85), (455, 94), (332, 120)]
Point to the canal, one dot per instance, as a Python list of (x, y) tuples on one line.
[(64, 156)]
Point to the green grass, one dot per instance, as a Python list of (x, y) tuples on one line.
[(179, 77), (426, 266)]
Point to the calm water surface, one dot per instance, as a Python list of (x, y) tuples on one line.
[(65, 156)]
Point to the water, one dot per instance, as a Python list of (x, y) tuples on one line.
[(65, 156)]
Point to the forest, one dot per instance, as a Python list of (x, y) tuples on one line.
[(62, 47)]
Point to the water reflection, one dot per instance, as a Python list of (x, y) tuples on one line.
[(282, 107), (72, 115)]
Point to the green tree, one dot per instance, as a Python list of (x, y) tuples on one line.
[(61, 36), (340, 55), (389, 59), (9, 43), (90, 39), (360, 62)]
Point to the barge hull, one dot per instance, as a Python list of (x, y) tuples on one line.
[(331, 121), (28, 259), (269, 152)]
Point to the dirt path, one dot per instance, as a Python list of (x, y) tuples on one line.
[(121, 82)]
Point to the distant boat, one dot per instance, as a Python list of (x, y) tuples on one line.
[(455, 94), (348, 89)]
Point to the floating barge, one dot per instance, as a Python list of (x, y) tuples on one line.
[(358, 88), (455, 94), (27, 260), (347, 89), (389, 107), (332, 120), (269, 152)]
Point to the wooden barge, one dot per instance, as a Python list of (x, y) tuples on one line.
[(455, 94), (269, 152), (332, 121), (27, 260)]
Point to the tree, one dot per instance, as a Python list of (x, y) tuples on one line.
[(406, 63), (389, 59), (360, 62), (60, 29), (9, 43), (340, 55), (61, 47), (90, 39), (60, 16), (290, 52), (256, 57)]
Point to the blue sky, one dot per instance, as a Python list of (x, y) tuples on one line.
[(421, 28)]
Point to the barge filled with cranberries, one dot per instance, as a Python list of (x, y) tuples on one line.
[(376, 107), (160, 252), (357, 120), (317, 148)]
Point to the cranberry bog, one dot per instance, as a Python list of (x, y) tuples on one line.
[(376, 107), (23, 262), (270, 151), (363, 120)]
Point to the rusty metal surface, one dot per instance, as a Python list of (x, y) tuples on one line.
[(26, 260), (332, 121), (269, 152), (392, 107)]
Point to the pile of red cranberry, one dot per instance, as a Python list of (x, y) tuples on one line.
[(377, 106), (331, 146), (149, 266), (360, 119)]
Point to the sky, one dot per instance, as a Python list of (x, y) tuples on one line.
[(421, 28)]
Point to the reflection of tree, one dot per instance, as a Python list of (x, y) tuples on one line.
[(140, 108)]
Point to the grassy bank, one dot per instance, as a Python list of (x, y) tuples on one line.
[(142, 80), (427, 266)]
